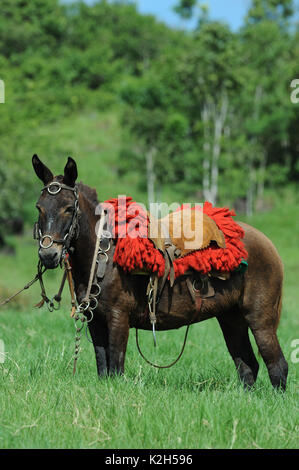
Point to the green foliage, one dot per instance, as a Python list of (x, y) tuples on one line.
[(247, 74), (58, 59), (61, 59), (275, 10), (185, 8)]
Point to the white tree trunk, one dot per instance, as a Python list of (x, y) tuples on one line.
[(206, 150), (251, 192), (150, 173), (261, 182), (219, 116)]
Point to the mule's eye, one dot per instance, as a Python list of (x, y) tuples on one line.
[(69, 210)]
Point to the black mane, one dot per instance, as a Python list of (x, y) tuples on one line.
[(89, 193)]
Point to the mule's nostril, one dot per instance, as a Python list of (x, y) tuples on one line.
[(49, 258)]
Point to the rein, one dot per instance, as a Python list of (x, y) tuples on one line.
[(45, 299), (54, 188), (67, 275), (36, 278), (98, 267), (153, 299), (157, 366)]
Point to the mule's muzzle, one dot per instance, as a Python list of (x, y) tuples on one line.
[(50, 257)]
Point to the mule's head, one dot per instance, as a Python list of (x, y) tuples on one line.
[(58, 211)]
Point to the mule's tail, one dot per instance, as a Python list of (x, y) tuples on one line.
[(278, 308)]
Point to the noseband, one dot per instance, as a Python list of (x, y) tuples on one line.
[(54, 188)]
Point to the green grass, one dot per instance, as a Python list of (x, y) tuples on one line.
[(199, 403)]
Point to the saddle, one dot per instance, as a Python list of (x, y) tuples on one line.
[(179, 234), (188, 230)]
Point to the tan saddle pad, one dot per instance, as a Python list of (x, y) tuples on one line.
[(189, 230)]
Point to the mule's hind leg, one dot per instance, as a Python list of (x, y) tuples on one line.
[(235, 332), (269, 347)]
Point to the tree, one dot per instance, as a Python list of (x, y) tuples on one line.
[(210, 73), (59, 58), (185, 8), (272, 10), (266, 62)]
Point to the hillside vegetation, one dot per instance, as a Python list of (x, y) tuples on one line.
[(154, 112)]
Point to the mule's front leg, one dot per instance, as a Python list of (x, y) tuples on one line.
[(99, 335), (118, 340)]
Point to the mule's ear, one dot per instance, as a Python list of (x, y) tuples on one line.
[(70, 172), (41, 170)]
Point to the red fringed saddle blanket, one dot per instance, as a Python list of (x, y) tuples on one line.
[(129, 224)]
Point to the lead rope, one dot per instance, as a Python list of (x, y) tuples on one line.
[(79, 317), (80, 312)]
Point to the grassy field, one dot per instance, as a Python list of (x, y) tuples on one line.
[(199, 403)]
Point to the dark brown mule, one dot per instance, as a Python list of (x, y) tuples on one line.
[(251, 300)]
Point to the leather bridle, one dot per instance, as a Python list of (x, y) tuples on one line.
[(54, 188)]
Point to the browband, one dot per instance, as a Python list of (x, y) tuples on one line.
[(58, 185)]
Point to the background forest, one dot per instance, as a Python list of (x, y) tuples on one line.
[(147, 110)]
